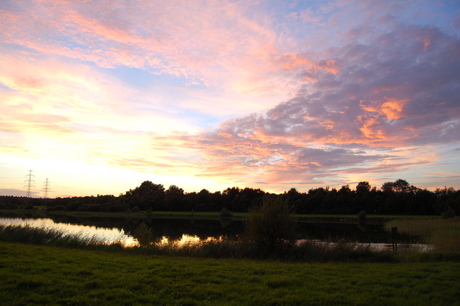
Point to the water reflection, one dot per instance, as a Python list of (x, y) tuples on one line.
[(99, 234), (186, 239), (113, 234), (182, 231)]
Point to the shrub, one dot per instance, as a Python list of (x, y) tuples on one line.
[(271, 226), (115, 208), (449, 213), (56, 208), (362, 216), (143, 234), (83, 208), (95, 208), (362, 219), (225, 213), (72, 207), (9, 206)]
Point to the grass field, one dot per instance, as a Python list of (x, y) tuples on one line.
[(50, 275)]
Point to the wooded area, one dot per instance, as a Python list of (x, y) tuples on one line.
[(397, 197)]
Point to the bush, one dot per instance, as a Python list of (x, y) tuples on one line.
[(143, 234), (9, 206), (271, 226), (72, 207), (115, 208), (362, 215), (56, 208), (95, 208), (82, 208), (449, 213), (362, 220), (225, 213)]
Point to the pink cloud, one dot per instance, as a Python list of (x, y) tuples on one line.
[(393, 91), (163, 37)]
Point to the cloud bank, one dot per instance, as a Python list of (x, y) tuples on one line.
[(356, 111)]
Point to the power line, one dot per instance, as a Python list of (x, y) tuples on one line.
[(46, 188), (29, 183)]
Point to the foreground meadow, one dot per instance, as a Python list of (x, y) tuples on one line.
[(50, 275)]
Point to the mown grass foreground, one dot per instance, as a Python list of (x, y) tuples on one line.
[(50, 275)]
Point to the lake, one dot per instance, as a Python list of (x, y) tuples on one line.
[(179, 231)]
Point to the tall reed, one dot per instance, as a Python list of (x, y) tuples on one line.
[(46, 236)]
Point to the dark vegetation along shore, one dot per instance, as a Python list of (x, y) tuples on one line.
[(393, 198)]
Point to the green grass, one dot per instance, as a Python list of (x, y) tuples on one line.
[(40, 212), (50, 275), (443, 234)]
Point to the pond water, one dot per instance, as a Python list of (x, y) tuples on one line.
[(181, 231)]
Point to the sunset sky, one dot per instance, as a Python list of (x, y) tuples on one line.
[(98, 96)]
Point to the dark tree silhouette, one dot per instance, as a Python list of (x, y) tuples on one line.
[(398, 197)]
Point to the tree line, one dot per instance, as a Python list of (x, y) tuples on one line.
[(398, 197)]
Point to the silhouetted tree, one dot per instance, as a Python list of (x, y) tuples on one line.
[(398, 197), (147, 196), (173, 198), (363, 187)]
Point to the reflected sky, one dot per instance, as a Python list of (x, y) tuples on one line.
[(106, 235), (100, 234)]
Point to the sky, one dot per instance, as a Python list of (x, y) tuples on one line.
[(98, 96)]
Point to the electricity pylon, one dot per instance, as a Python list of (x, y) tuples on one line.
[(46, 188), (29, 183)]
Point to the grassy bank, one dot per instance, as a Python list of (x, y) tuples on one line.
[(41, 212), (443, 234), (50, 275)]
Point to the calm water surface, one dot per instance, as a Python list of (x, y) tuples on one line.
[(101, 234), (180, 231)]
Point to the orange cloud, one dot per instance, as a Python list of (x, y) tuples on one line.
[(393, 109), (370, 128)]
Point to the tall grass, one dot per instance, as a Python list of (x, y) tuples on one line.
[(443, 234), (46, 236)]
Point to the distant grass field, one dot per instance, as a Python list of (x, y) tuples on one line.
[(50, 275), (41, 212)]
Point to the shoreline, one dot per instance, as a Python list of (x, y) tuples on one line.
[(323, 218)]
